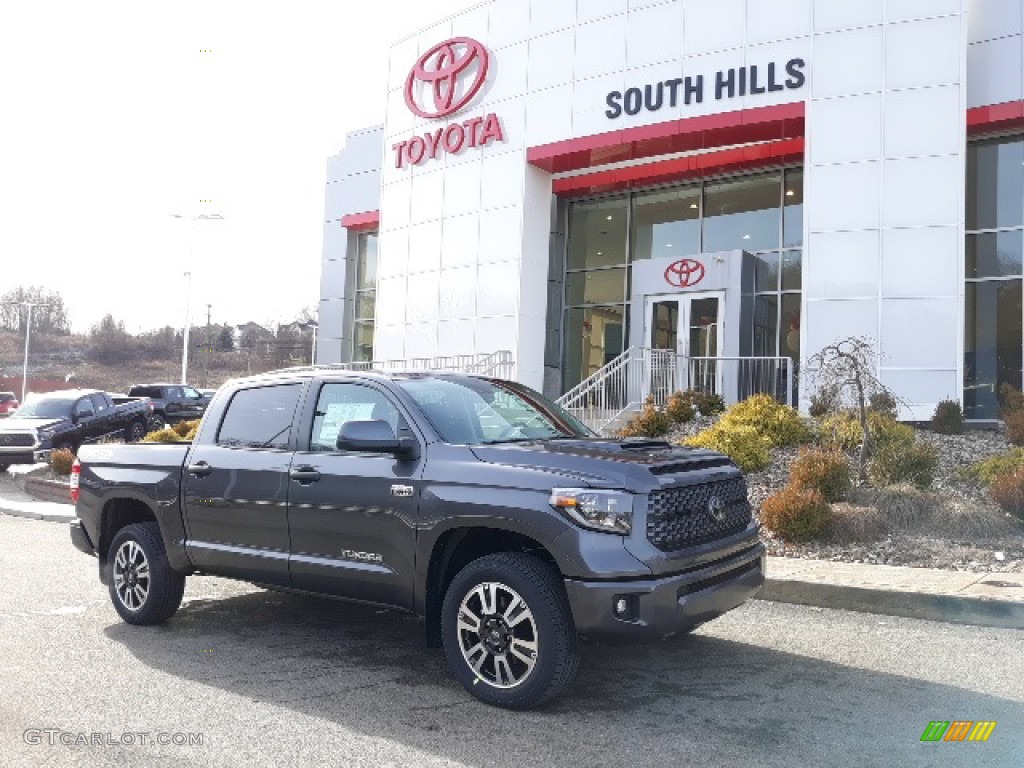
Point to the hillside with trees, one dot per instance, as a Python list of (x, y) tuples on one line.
[(108, 357)]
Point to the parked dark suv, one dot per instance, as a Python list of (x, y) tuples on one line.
[(472, 502)]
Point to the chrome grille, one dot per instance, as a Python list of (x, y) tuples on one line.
[(681, 517), (17, 440)]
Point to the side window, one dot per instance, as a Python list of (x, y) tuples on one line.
[(99, 404), (174, 393), (191, 394), (260, 418), (84, 407), (339, 403)]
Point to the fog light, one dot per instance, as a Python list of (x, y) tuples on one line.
[(621, 607)]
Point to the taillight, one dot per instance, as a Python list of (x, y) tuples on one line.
[(76, 472)]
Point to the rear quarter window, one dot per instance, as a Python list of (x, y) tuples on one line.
[(260, 418)]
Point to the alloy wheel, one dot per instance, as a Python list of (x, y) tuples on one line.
[(131, 575), (497, 635)]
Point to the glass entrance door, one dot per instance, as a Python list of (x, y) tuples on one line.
[(684, 334)]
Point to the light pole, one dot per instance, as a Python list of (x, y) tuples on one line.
[(28, 333), (188, 277), (188, 322), (312, 325)]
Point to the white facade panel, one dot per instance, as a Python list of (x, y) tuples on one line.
[(550, 15), (847, 129), (994, 71), (923, 191), (924, 53), (600, 47), (845, 265), (940, 108), (831, 16), (715, 25), (922, 262), (652, 35), (991, 19), (846, 63)]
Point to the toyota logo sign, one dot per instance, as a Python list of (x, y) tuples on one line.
[(684, 273), (442, 80), (716, 509)]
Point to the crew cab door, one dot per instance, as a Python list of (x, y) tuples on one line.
[(352, 516), (236, 489)]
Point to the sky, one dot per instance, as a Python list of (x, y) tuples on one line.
[(116, 115)]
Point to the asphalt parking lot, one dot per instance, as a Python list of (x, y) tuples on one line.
[(266, 678)]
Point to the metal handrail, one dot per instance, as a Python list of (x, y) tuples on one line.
[(639, 373), (500, 364)]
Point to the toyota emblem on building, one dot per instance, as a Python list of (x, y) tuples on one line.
[(446, 78), (684, 273), (716, 509)]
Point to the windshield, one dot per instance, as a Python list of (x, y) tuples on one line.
[(477, 411), (49, 408)]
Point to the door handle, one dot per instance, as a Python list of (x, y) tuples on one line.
[(304, 475), (202, 469)]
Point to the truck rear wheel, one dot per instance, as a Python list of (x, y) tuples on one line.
[(507, 631), (135, 431), (143, 587)]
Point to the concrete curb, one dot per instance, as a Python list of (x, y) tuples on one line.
[(954, 609), (32, 515)]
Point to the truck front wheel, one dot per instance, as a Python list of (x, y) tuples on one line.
[(507, 631), (143, 587)]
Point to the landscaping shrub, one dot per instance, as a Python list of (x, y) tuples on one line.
[(680, 408), (165, 435), (843, 431), (750, 450), (893, 463), (1011, 399), (779, 423), (650, 422), (903, 507), (61, 461), (884, 404), (826, 470), (184, 427), (824, 402), (796, 514), (948, 418), (708, 403), (192, 432), (1006, 463), (1008, 492), (1014, 421)]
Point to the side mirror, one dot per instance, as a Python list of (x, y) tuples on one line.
[(83, 415), (373, 436)]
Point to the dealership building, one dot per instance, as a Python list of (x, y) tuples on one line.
[(570, 184)]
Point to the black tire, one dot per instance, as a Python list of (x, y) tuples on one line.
[(3, 467), (135, 431), (156, 422), (540, 588), (160, 594)]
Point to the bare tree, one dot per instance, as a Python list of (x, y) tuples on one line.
[(52, 318), (846, 370)]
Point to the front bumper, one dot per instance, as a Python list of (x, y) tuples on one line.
[(80, 538), (21, 456), (658, 608)]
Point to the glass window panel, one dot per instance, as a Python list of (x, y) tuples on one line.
[(362, 347), (665, 325), (260, 418), (992, 344), (995, 184), (766, 325), (597, 234), (703, 330), (593, 338), (366, 271), (606, 286), (667, 224), (793, 212), (766, 272), (742, 214), (341, 403), (792, 271), (995, 254), (365, 305), (789, 326)]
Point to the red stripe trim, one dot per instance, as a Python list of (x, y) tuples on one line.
[(784, 121), (694, 166), (995, 118), (359, 222)]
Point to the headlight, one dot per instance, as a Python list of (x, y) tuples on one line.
[(608, 511)]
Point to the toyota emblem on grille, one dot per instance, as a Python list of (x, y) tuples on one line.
[(716, 509)]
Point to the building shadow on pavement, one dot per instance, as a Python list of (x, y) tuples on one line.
[(699, 700)]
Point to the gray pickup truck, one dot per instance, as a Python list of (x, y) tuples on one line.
[(472, 502)]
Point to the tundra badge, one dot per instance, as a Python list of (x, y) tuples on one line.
[(401, 490)]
